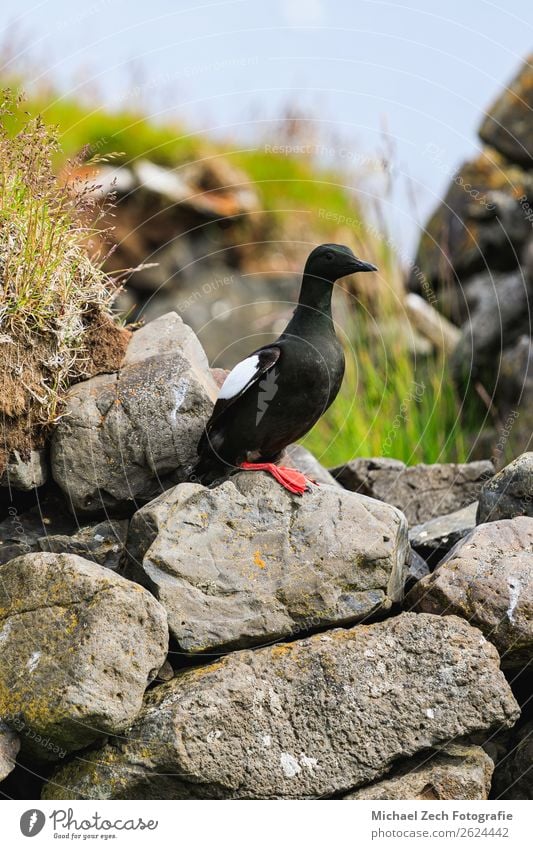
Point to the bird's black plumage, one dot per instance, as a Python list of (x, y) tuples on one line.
[(276, 395)]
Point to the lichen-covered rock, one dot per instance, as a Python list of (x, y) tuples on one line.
[(479, 224), (25, 473), (421, 492), (451, 772), (248, 562), (507, 125), (9, 749), (78, 646), (435, 538), (311, 718), (509, 493), (488, 579), (123, 432)]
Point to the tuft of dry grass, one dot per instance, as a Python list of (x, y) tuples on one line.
[(54, 295)]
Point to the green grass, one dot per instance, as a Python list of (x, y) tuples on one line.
[(282, 181), (91, 131), (391, 404), (49, 284)]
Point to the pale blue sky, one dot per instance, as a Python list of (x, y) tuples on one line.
[(423, 70)]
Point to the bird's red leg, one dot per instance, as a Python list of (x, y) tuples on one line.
[(291, 479)]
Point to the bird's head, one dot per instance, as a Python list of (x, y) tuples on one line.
[(330, 262)]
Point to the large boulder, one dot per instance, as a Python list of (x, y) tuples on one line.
[(480, 223), (248, 562), (509, 493), (302, 720), (124, 432), (488, 579), (422, 492), (454, 771), (508, 125), (78, 647)]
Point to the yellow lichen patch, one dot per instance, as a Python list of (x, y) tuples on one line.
[(282, 650), (258, 560)]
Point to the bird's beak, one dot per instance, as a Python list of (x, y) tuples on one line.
[(358, 265)]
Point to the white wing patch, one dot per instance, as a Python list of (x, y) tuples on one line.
[(238, 377)]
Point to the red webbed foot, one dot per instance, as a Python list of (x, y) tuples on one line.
[(291, 479)]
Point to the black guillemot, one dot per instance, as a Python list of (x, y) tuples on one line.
[(276, 395)]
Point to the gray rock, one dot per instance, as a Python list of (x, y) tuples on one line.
[(103, 543), (513, 776), (9, 749), (25, 474), (417, 568), (488, 579), (124, 432), (307, 719), (78, 646), (422, 492), (527, 261), (516, 380), (20, 532), (302, 459), (507, 125), (451, 772), (479, 224), (509, 493), (498, 320), (515, 401), (50, 527), (435, 538), (248, 562)]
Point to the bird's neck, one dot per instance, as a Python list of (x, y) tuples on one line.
[(314, 303)]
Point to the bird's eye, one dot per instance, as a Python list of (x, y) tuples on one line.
[(329, 256)]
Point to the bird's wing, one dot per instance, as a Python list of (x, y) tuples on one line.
[(244, 375)]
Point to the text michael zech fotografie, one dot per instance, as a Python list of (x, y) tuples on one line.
[(431, 815)]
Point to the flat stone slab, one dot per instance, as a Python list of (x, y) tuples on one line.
[(247, 562), (422, 492), (302, 720)]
